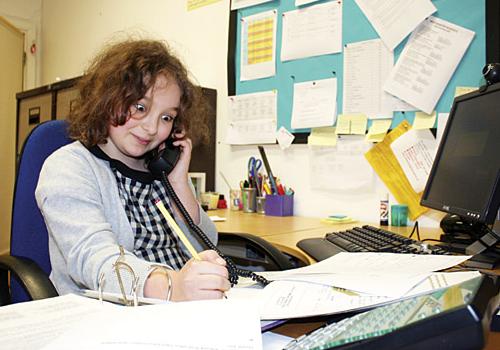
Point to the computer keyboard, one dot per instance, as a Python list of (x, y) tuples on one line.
[(365, 239)]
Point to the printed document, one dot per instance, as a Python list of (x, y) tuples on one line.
[(292, 299), (34, 324), (314, 103), (258, 46), (253, 118), (312, 31), (395, 19), (344, 170), (427, 63), (216, 324), (383, 274), (367, 65), (239, 4), (415, 151)]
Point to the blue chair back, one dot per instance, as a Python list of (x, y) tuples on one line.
[(29, 236)]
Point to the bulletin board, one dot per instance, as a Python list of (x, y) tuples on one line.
[(471, 14)]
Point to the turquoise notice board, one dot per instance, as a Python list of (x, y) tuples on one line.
[(355, 26)]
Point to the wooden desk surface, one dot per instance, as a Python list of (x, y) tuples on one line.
[(285, 232)]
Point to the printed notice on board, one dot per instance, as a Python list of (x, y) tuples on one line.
[(252, 118), (367, 65), (395, 19), (239, 4), (258, 46), (312, 31), (415, 151), (314, 103), (427, 63)]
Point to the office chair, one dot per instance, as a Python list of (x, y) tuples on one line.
[(29, 262)]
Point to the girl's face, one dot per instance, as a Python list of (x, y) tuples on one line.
[(150, 123)]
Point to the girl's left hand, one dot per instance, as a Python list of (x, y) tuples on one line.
[(180, 171)]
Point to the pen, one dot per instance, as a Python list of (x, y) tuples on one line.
[(274, 189)]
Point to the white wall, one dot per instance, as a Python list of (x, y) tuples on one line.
[(72, 31)]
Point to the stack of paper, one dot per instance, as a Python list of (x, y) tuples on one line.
[(351, 281)]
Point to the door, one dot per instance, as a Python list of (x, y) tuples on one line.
[(11, 82)]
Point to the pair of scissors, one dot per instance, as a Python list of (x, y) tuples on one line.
[(254, 166)]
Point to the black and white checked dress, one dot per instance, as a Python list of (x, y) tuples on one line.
[(154, 240)]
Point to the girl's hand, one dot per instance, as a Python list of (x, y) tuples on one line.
[(180, 171), (201, 279)]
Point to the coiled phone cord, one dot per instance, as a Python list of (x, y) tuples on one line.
[(234, 272)]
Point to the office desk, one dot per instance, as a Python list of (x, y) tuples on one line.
[(285, 232)]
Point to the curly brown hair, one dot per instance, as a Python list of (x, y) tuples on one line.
[(120, 76)]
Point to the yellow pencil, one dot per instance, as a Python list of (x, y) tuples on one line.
[(177, 230)]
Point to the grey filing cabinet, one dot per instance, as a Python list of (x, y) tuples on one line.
[(42, 104), (55, 101)]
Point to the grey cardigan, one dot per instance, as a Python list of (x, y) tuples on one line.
[(78, 197)]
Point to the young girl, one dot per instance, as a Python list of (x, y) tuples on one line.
[(98, 198)]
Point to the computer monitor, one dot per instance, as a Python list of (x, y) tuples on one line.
[(465, 176)]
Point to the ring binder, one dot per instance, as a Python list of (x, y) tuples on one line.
[(135, 280)]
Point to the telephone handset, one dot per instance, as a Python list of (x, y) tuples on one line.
[(160, 164), (163, 161)]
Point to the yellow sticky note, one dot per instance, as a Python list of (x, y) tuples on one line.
[(462, 90), (378, 129), (358, 124), (325, 136), (351, 124), (343, 124), (424, 120)]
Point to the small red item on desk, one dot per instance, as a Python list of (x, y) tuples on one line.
[(221, 204)]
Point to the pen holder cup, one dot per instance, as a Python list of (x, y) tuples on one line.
[(277, 205), (248, 197)]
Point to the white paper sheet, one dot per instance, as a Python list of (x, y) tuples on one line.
[(253, 118), (238, 4), (427, 63), (367, 65), (287, 299), (312, 31), (284, 137), (375, 283), (395, 19), (380, 263), (304, 2), (217, 324), (314, 103), (343, 170), (258, 46), (415, 151), (32, 325)]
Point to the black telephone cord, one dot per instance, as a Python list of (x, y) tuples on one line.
[(234, 271)]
